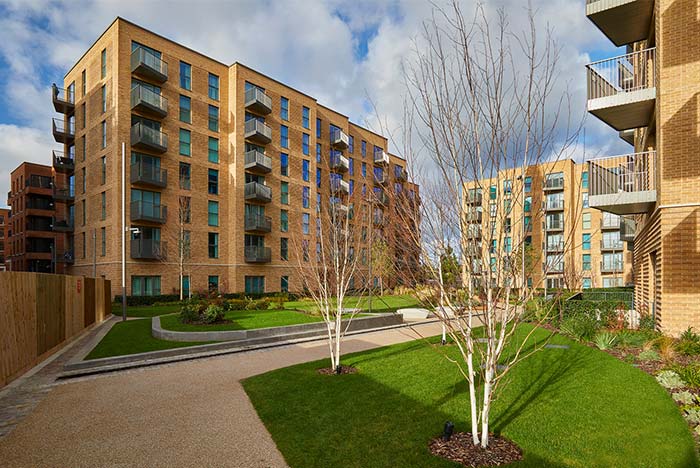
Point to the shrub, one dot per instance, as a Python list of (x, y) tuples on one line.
[(604, 340), (579, 327), (191, 310), (684, 398), (690, 335), (669, 379), (646, 322), (692, 415), (688, 348), (213, 313), (690, 374), (260, 304), (134, 301), (236, 304), (633, 338), (649, 355), (629, 358)]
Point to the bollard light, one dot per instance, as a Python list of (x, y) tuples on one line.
[(447, 431)]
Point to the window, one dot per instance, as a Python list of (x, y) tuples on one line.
[(284, 164), (284, 283), (185, 109), (318, 153), (506, 205), (305, 117), (494, 246), (284, 136), (305, 143), (213, 118), (507, 187), (185, 137), (363, 148), (103, 241), (103, 64), (528, 223), (528, 184), (213, 283), (145, 285), (318, 177), (584, 180), (318, 128), (254, 284), (84, 83), (305, 197), (492, 209), (305, 223), (364, 170), (554, 180), (305, 170), (493, 192), (213, 218), (104, 100), (528, 204), (351, 144), (103, 169), (284, 108), (104, 134), (213, 150), (213, 245), (84, 253), (585, 200), (284, 248), (82, 139), (284, 193), (185, 76), (586, 224), (213, 87), (586, 262), (587, 283), (103, 202), (213, 182), (185, 210), (184, 176), (284, 221), (83, 173), (351, 166)]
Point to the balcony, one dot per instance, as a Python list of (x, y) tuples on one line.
[(402, 175), (148, 65), (257, 132), (612, 267), (63, 100), (624, 184), (149, 175), (473, 198), (149, 249), (554, 246), (255, 191), (257, 101), (612, 244), (147, 101), (381, 157), (553, 184), (339, 163), (257, 162), (553, 226), (628, 229), (63, 164), (474, 234), (257, 254), (622, 21), (622, 90), (610, 223), (63, 131), (67, 257), (258, 223), (554, 204), (339, 186), (62, 224), (378, 220), (149, 139), (339, 139), (627, 136), (381, 178), (553, 268), (148, 212), (382, 197), (64, 193), (474, 216)]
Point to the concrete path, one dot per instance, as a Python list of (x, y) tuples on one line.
[(185, 414)]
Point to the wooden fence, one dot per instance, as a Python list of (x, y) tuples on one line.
[(40, 313)]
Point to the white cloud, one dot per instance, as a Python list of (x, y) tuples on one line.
[(21, 144)]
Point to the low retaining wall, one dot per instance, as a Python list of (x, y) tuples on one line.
[(308, 329)]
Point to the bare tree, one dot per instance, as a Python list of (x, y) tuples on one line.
[(486, 104), (382, 262), (178, 235)]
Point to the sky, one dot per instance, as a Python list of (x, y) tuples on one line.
[(346, 54)]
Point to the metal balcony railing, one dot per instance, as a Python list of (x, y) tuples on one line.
[(258, 223), (148, 174), (611, 245), (554, 246), (63, 99), (624, 74), (554, 204), (148, 138), (255, 161), (64, 192), (61, 163), (257, 101), (148, 101), (147, 211), (66, 256), (340, 186), (610, 222), (339, 139), (473, 198), (149, 249), (63, 130), (257, 254), (556, 225), (147, 64), (38, 181), (257, 192), (612, 267), (381, 157), (554, 183), (62, 224), (628, 229), (627, 173), (338, 162), (258, 131)]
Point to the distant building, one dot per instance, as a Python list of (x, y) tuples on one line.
[(4, 236)]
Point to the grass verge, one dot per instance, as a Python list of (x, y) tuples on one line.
[(243, 320)]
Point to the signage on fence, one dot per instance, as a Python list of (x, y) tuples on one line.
[(78, 284)]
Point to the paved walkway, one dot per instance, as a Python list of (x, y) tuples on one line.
[(185, 414)]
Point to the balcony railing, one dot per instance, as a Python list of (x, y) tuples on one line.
[(148, 138), (149, 249), (474, 216), (257, 101), (147, 64), (557, 225), (554, 204), (61, 163), (608, 244), (628, 229), (257, 254), (474, 233), (62, 224), (378, 220), (64, 193), (66, 256), (146, 100), (623, 184), (63, 99), (554, 267), (610, 223), (258, 192), (381, 157), (340, 186), (554, 183), (339, 163), (381, 178), (622, 21), (258, 132), (63, 130), (150, 212), (612, 267), (554, 246), (148, 174), (258, 223), (381, 197), (339, 139), (402, 175), (622, 90), (42, 182), (255, 161), (473, 198)]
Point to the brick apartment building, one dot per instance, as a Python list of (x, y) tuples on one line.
[(221, 157), (651, 96), (570, 245), (4, 236)]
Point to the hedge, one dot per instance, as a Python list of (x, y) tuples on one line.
[(133, 301)]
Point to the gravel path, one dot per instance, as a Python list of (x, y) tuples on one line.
[(185, 414)]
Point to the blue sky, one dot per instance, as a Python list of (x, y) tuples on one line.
[(344, 53)]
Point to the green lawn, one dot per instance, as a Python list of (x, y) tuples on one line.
[(131, 337), (146, 311), (576, 407), (243, 320), (379, 303)]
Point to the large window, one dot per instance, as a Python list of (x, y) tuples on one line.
[(254, 284), (493, 192), (213, 87), (284, 164), (213, 182), (185, 142), (213, 150), (363, 147), (213, 283), (104, 134), (305, 197), (528, 204), (305, 223), (584, 180), (284, 220), (284, 136), (185, 109), (284, 283), (145, 285), (305, 143), (284, 108), (213, 213), (284, 193), (305, 170), (586, 221), (528, 184), (103, 64), (185, 76), (318, 128), (351, 144), (284, 248), (305, 117), (104, 99), (213, 245), (213, 118), (586, 243), (185, 176), (586, 262)]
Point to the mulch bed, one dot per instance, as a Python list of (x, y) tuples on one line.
[(460, 449), (343, 370)]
